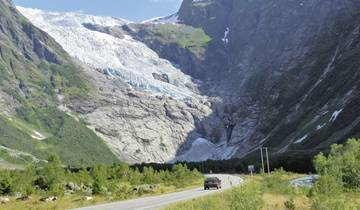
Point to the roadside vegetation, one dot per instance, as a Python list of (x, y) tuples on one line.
[(338, 187), (63, 188)]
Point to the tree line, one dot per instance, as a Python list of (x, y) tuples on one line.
[(119, 180)]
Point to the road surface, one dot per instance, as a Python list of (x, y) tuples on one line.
[(306, 181), (161, 201)]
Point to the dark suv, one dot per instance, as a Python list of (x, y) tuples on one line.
[(212, 182)]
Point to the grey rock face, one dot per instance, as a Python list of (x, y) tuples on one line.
[(137, 126), (284, 70)]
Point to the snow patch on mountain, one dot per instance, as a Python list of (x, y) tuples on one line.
[(301, 139), (225, 39), (335, 115), (319, 127), (202, 150), (124, 58)]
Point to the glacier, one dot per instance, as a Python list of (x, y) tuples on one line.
[(203, 149), (131, 61), (119, 57)]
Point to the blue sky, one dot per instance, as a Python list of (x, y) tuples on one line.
[(135, 10)]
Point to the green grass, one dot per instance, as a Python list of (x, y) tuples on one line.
[(72, 140), (268, 193), (238, 198), (186, 36), (193, 39)]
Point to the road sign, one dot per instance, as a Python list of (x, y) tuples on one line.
[(251, 169)]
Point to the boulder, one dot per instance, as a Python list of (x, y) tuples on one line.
[(4, 200), (49, 199), (88, 198), (23, 198)]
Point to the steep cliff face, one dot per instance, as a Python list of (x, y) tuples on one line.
[(287, 71)]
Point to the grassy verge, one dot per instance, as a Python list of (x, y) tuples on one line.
[(268, 193), (76, 201)]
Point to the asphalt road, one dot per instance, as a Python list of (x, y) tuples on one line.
[(161, 201)]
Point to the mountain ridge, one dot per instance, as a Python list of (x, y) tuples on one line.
[(225, 78)]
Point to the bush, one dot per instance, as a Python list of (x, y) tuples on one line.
[(247, 197), (277, 182), (99, 175), (323, 202), (5, 185), (340, 172), (328, 185), (343, 164), (290, 204), (51, 176), (23, 181)]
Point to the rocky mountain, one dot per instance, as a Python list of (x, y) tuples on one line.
[(216, 80), (287, 71), (144, 106)]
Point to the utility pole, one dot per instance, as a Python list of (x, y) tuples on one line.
[(267, 160), (262, 160)]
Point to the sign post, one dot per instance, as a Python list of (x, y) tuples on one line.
[(251, 169)]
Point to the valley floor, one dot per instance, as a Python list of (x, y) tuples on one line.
[(258, 192)]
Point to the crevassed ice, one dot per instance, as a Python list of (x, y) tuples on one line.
[(123, 58), (202, 150)]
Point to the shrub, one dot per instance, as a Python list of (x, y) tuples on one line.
[(340, 171), (5, 185), (277, 183), (290, 204), (247, 197), (99, 175), (343, 163)]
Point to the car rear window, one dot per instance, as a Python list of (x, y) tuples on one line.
[(212, 179)]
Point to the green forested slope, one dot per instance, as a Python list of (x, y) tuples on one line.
[(36, 76)]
